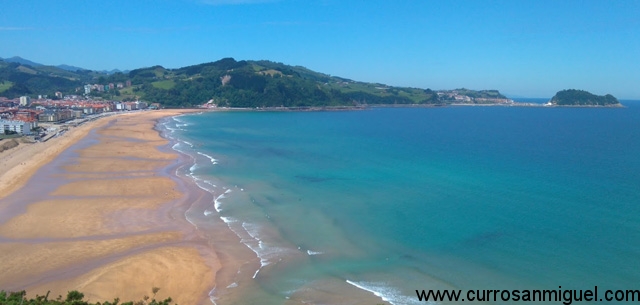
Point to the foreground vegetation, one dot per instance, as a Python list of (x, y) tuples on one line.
[(73, 298)]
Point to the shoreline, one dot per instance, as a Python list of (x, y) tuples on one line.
[(103, 227), (116, 236), (372, 106), (246, 249), (236, 260)]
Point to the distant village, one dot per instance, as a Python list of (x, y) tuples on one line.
[(31, 116), (459, 97)]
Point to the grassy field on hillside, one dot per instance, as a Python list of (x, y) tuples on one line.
[(5, 86), (163, 84)]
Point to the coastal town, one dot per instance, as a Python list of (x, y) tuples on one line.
[(43, 117)]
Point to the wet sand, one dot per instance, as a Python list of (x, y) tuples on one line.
[(96, 210)]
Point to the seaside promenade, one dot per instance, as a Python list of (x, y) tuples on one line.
[(95, 210)]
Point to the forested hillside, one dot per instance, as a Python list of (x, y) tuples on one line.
[(572, 97), (232, 83), (224, 83)]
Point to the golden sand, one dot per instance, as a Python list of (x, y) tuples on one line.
[(102, 232), (187, 284)]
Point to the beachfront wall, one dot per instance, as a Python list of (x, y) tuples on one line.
[(16, 126)]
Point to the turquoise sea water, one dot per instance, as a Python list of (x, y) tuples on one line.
[(393, 200)]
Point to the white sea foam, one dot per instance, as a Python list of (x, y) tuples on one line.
[(251, 242), (204, 185), (212, 298), (217, 204), (186, 216), (387, 293), (209, 184), (309, 252), (167, 127), (233, 285), (249, 234), (228, 219), (178, 147), (212, 159), (266, 253)]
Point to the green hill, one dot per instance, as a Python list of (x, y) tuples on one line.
[(17, 79), (226, 83), (572, 97), (232, 83)]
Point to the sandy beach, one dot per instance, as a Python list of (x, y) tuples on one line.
[(95, 211)]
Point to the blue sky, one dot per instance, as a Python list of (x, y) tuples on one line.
[(522, 48)]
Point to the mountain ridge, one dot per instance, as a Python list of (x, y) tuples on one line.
[(27, 62), (226, 83), (22, 61)]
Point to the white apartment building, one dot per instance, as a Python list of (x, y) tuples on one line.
[(17, 126), (25, 101)]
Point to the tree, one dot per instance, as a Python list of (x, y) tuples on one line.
[(75, 297)]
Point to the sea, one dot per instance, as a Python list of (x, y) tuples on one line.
[(387, 201)]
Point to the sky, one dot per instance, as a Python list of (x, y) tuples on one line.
[(522, 48)]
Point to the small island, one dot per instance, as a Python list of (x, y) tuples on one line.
[(573, 97)]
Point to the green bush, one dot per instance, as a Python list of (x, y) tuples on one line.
[(73, 298)]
